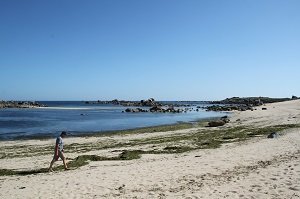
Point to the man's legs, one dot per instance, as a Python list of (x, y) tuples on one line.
[(51, 164), (65, 163), (62, 156)]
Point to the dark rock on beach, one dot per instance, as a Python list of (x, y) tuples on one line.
[(216, 123), (220, 122), (225, 119), (273, 135)]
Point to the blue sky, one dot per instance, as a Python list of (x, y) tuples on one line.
[(169, 50)]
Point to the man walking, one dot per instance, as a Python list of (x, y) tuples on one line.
[(59, 151)]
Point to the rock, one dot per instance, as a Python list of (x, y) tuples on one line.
[(226, 108), (130, 110), (151, 100), (216, 123), (134, 110), (160, 109), (115, 102), (273, 135), (156, 109), (243, 109), (226, 120), (170, 109), (263, 109)]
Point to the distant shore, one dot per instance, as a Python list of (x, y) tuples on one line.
[(244, 103), (157, 106), (20, 104)]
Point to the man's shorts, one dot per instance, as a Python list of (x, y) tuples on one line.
[(60, 155)]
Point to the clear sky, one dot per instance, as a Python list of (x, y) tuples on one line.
[(166, 49)]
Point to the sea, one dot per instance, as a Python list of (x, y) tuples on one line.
[(79, 118)]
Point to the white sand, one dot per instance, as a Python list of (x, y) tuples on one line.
[(257, 168)]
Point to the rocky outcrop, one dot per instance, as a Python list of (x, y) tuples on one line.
[(242, 104), (250, 101), (229, 108), (154, 109), (143, 103), (135, 110), (20, 104), (169, 109)]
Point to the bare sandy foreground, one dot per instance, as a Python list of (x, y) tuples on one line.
[(255, 168)]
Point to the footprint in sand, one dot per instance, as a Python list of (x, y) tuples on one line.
[(294, 188), (288, 183)]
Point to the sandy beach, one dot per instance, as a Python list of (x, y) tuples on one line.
[(253, 167)]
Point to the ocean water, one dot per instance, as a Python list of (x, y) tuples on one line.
[(80, 118)]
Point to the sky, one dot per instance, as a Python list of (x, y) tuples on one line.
[(137, 49)]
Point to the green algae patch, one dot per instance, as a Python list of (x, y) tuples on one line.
[(200, 139)]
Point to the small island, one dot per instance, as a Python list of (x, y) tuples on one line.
[(20, 104)]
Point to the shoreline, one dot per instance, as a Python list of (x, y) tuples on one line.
[(46, 122), (235, 160), (97, 133)]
